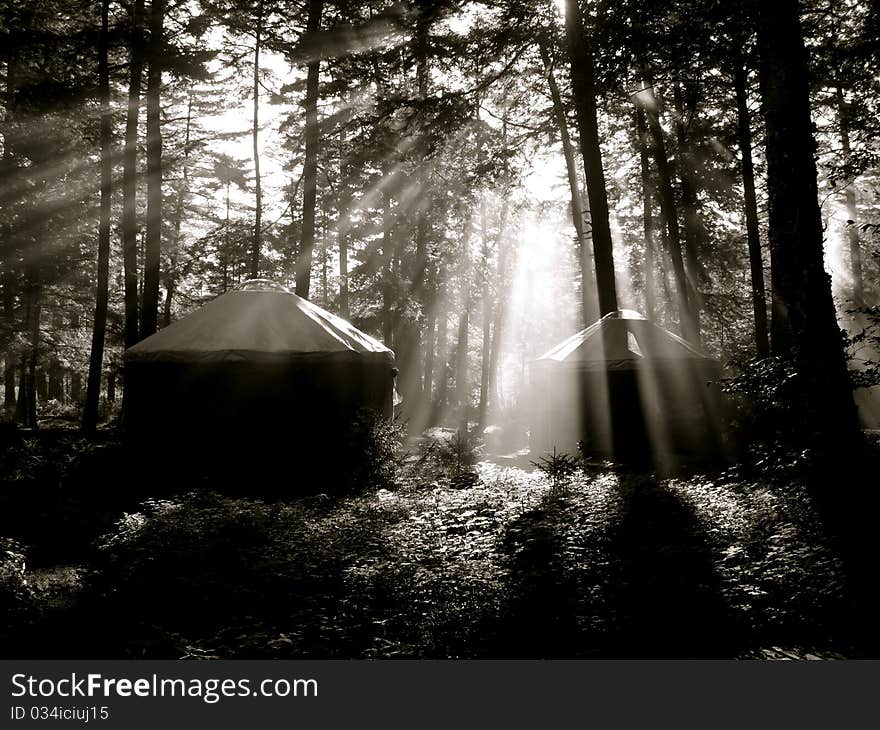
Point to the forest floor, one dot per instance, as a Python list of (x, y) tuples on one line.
[(610, 563)]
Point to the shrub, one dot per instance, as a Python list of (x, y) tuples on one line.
[(58, 492), (863, 348), (557, 467), (212, 575), (180, 565), (56, 409), (458, 454), (370, 456), (764, 398), (450, 457), (16, 596)]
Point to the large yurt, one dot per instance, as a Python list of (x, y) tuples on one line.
[(626, 388), (255, 367)]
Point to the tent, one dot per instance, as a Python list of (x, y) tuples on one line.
[(625, 388), (255, 366)]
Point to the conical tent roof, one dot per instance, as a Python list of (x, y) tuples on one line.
[(621, 340), (259, 322)]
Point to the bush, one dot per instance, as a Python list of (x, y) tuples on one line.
[(458, 454), (180, 567), (863, 348), (451, 457), (211, 575), (557, 467), (370, 456), (764, 399), (58, 492), (110, 413), (16, 596), (56, 409)]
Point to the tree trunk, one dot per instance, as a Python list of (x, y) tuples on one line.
[(9, 384), (411, 377), (693, 230), (852, 229), (753, 236), (169, 291), (389, 322), (9, 401), (500, 310), (442, 370), (21, 399), (461, 378), (664, 269), (325, 284), (257, 241), (182, 190), (153, 240), (42, 387), (310, 166), (10, 252), (224, 259), (388, 318), (584, 92), (75, 387), (56, 381), (424, 196), (503, 247), (99, 327), (423, 202), (33, 360), (804, 325), (589, 305), (27, 396), (129, 178), (430, 352), (485, 358), (669, 210), (647, 212), (342, 233)]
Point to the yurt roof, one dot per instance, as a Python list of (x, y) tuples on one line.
[(621, 340), (260, 321)]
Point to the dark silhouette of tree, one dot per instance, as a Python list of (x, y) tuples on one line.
[(588, 279), (804, 325), (310, 166), (99, 327), (153, 237), (129, 175), (756, 260), (584, 92)]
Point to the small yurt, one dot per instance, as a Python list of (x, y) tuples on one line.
[(255, 367), (627, 389)]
